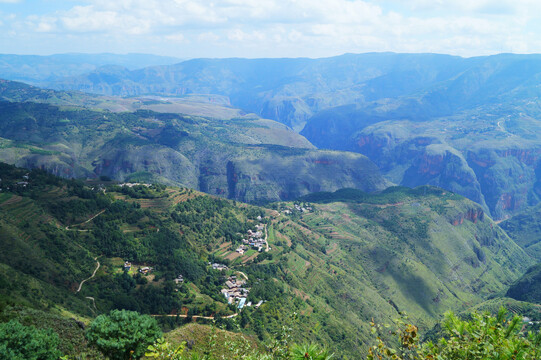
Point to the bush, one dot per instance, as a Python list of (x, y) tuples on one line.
[(19, 342), (483, 337), (123, 334)]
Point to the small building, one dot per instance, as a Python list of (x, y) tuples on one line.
[(145, 270), (127, 266), (242, 301), (219, 267)]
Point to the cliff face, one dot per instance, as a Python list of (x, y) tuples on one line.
[(276, 177), (246, 159), (503, 176), (473, 215), (421, 161)]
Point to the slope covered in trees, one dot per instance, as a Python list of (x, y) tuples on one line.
[(337, 260)]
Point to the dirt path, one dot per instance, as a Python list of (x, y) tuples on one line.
[(93, 274), (87, 221), (243, 274), (93, 302), (266, 242), (200, 317)]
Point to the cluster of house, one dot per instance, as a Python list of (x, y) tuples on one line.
[(25, 180), (236, 292), (219, 267), (299, 208), (23, 183), (133, 184), (254, 240), (144, 270)]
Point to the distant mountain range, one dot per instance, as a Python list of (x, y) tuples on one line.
[(41, 70), (241, 157), (469, 125)]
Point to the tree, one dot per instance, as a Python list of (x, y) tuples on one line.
[(19, 342), (309, 352), (482, 337), (123, 334)]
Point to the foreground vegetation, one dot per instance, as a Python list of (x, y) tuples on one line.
[(124, 335)]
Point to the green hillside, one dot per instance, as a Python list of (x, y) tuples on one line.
[(244, 158), (338, 263), (528, 287), (525, 229)]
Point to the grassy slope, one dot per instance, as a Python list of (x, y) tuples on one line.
[(338, 266), (525, 229), (422, 254), (528, 287)]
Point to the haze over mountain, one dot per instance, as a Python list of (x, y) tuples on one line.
[(39, 70), (240, 157), (464, 124)]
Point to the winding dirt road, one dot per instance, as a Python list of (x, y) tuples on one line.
[(200, 317), (84, 222), (93, 274)]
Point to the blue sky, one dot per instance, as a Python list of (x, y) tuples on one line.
[(269, 28)]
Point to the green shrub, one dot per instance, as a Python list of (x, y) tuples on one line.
[(483, 337), (19, 342), (123, 334)]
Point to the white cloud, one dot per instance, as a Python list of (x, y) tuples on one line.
[(295, 27), (178, 38)]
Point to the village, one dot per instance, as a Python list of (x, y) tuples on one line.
[(255, 240), (235, 290), (23, 183), (299, 208)]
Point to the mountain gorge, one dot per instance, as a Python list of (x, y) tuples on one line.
[(245, 158), (317, 196), (465, 124)]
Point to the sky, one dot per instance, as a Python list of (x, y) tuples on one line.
[(269, 28)]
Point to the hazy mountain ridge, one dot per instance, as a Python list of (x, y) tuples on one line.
[(39, 70), (341, 99), (246, 158), (286, 90)]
